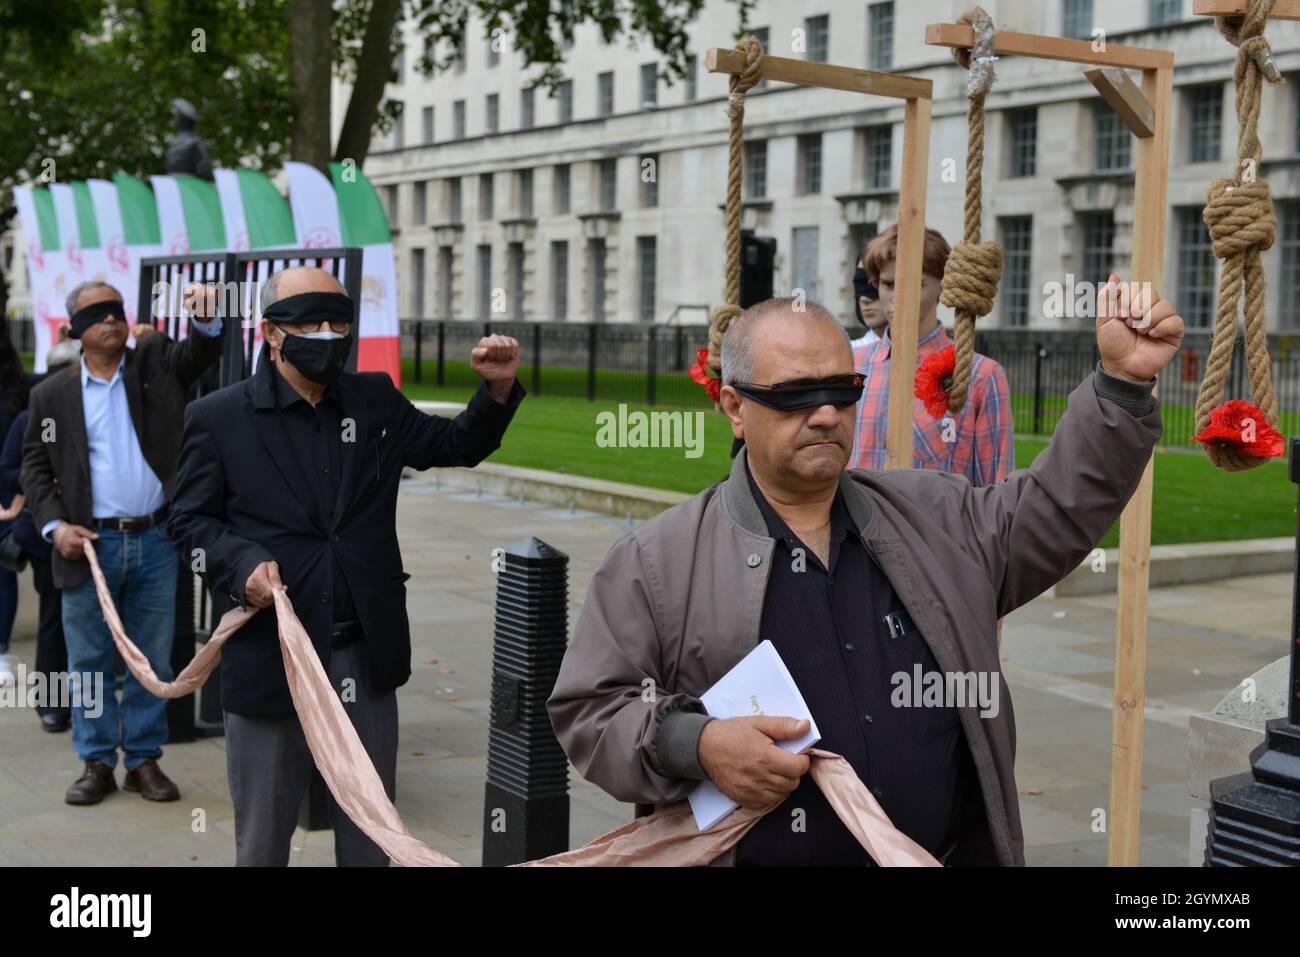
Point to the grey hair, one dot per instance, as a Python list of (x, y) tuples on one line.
[(81, 287), (271, 288), (738, 341)]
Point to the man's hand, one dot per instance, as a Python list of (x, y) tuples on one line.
[(496, 360), (69, 539), (740, 759), (1137, 332), (201, 300), (261, 583)]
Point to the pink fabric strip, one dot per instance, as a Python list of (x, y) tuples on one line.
[(667, 838)]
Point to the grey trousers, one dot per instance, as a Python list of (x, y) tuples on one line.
[(269, 767)]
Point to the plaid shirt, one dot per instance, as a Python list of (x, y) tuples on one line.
[(979, 442)]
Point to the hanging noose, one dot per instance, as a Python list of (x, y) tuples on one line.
[(740, 84), (1239, 215), (970, 278)]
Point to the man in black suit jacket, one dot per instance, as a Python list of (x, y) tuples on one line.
[(291, 476), (99, 464)]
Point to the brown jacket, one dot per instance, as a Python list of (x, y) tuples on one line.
[(678, 600)]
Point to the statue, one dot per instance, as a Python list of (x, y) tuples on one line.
[(187, 153)]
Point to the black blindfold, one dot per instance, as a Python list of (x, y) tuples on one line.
[(862, 286), (804, 394), (84, 318), (310, 307)]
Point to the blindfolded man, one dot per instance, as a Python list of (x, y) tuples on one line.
[(866, 307), (289, 479), (855, 577), (99, 464)]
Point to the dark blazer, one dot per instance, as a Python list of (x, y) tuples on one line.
[(11, 464), (56, 474), (239, 500)]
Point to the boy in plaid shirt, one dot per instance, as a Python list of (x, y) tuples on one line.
[(976, 442)]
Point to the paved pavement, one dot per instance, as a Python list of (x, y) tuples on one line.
[(1057, 658)]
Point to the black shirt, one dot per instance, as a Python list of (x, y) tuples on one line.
[(315, 436), (828, 626)]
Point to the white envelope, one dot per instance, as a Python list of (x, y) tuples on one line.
[(760, 683)]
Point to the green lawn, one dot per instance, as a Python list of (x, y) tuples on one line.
[(1193, 500)]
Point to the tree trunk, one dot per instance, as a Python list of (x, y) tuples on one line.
[(309, 25), (373, 68)]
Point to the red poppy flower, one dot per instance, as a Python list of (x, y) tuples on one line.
[(700, 373), (1242, 426), (934, 378)]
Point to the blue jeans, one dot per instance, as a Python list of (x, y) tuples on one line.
[(141, 569)]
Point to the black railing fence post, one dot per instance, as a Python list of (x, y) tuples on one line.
[(650, 366), (1039, 355), (591, 362), (419, 349), (442, 351), (537, 358)]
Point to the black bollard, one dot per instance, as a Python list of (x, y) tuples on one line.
[(526, 811), (1255, 817)]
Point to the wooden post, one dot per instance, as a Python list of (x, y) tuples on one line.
[(1157, 66), (916, 93)]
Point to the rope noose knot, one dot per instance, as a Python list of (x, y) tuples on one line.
[(971, 276), (1240, 217), (740, 84), (1246, 33)]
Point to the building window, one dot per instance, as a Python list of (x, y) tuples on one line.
[(399, 127), (525, 186), (761, 35), (817, 30), (608, 185), (564, 93), (391, 193), (1097, 232), (516, 258), (859, 235), (484, 282), (1112, 142), (810, 163), (1289, 215), (445, 281), (649, 170), (1165, 11), (880, 157), (880, 36), (458, 119), (692, 69), (426, 121), (1205, 114), (1023, 142), (560, 189), (493, 113), (494, 50), (1196, 286), (756, 169), (417, 284), (399, 65), (1017, 243), (605, 94), (485, 196), (596, 257), (527, 107), (645, 257), (421, 203), (649, 85), (1076, 19), (559, 280), (453, 200)]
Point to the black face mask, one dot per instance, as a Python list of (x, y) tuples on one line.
[(804, 395), (320, 356), (96, 312), (862, 287)]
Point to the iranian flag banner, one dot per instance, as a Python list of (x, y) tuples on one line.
[(364, 223), (44, 266)]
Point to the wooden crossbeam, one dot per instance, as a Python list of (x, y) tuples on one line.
[(1282, 9), (808, 73), (1125, 98), (1053, 48)]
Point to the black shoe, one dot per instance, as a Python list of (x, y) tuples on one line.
[(152, 784), (55, 722), (94, 783)]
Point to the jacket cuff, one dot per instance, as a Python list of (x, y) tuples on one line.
[(1135, 398), (242, 571), (483, 397), (678, 744)]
